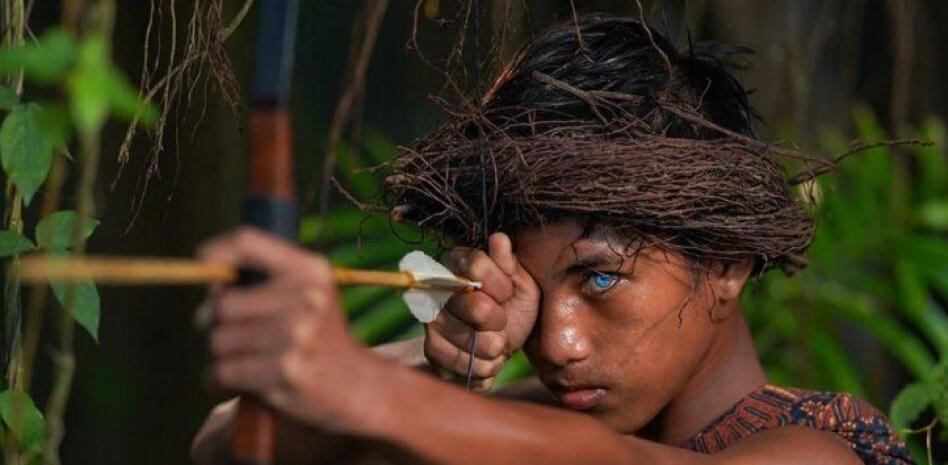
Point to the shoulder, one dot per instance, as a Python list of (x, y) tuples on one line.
[(857, 422), (791, 445)]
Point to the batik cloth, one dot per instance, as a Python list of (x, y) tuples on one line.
[(863, 427)]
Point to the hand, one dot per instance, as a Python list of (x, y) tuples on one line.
[(501, 313), (284, 340)]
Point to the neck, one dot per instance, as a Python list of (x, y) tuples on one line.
[(729, 372)]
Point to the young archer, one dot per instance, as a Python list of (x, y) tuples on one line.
[(622, 291)]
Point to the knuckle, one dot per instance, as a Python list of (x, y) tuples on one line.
[(495, 345), (300, 332), (486, 368), (321, 266), (456, 257), (455, 306), (497, 364), (218, 343), (480, 265), (483, 313), (244, 236), (483, 385), (288, 370), (437, 351), (480, 310), (459, 361)]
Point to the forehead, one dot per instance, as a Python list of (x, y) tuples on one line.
[(553, 252), (561, 243)]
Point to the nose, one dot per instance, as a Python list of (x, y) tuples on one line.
[(559, 337)]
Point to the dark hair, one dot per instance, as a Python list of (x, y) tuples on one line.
[(621, 55), (602, 119)]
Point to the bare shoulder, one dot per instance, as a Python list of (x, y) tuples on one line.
[(790, 445)]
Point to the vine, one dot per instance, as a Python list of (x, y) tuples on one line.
[(74, 61)]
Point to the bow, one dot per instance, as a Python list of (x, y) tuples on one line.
[(270, 203)]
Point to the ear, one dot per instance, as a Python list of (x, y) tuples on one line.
[(727, 279)]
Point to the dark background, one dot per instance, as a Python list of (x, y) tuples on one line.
[(139, 395)]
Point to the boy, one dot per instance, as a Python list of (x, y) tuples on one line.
[(612, 200)]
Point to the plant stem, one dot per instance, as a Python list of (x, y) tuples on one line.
[(38, 294), (102, 20), (65, 359), (15, 13)]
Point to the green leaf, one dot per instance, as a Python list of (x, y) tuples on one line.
[(8, 98), (378, 146), (916, 305), (932, 160), (90, 94), (56, 231), (934, 215), (857, 308), (13, 243), (97, 88), (370, 254), (46, 61), (356, 299), (126, 101), (828, 353), (518, 367), (910, 403), (54, 120), (24, 419), (25, 150), (342, 226), (381, 320), (86, 307)]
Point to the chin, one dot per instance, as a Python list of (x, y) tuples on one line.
[(624, 415)]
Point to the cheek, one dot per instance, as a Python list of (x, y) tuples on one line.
[(651, 348)]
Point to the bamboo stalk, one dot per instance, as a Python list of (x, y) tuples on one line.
[(142, 271)]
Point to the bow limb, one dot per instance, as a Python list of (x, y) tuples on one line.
[(270, 204)]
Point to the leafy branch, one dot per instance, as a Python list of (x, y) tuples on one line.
[(33, 137)]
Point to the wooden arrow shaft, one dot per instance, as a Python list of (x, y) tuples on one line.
[(165, 271)]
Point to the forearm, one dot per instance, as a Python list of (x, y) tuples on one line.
[(442, 424), (406, 353), (295, 444)]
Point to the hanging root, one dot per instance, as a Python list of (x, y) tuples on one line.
[(558, 136), (188, 70), (726, 197)]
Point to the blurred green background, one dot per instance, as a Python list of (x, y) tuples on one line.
[(868, 316)]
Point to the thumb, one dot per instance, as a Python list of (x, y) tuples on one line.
[(500, 250)]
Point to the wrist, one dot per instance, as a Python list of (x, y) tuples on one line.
[(373, 402), (367, 377)]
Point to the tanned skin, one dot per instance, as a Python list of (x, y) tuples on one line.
[(639, 351)]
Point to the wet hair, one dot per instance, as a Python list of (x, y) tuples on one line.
[(604, 120)]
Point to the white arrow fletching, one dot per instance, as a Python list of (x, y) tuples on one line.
[(425, 304), (422, 266)]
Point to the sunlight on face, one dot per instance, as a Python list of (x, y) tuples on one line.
[(618, 333)]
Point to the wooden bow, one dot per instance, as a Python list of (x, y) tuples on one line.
[(270, 204)]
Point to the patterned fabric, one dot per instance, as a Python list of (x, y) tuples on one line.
[(862, 426)]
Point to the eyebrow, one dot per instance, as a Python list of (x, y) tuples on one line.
[(595, 260)]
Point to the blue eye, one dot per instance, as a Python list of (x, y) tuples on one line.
[(602, 281)]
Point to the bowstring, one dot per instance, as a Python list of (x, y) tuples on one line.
[(476, 9)]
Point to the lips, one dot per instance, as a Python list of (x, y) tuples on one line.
[(579, 398)]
